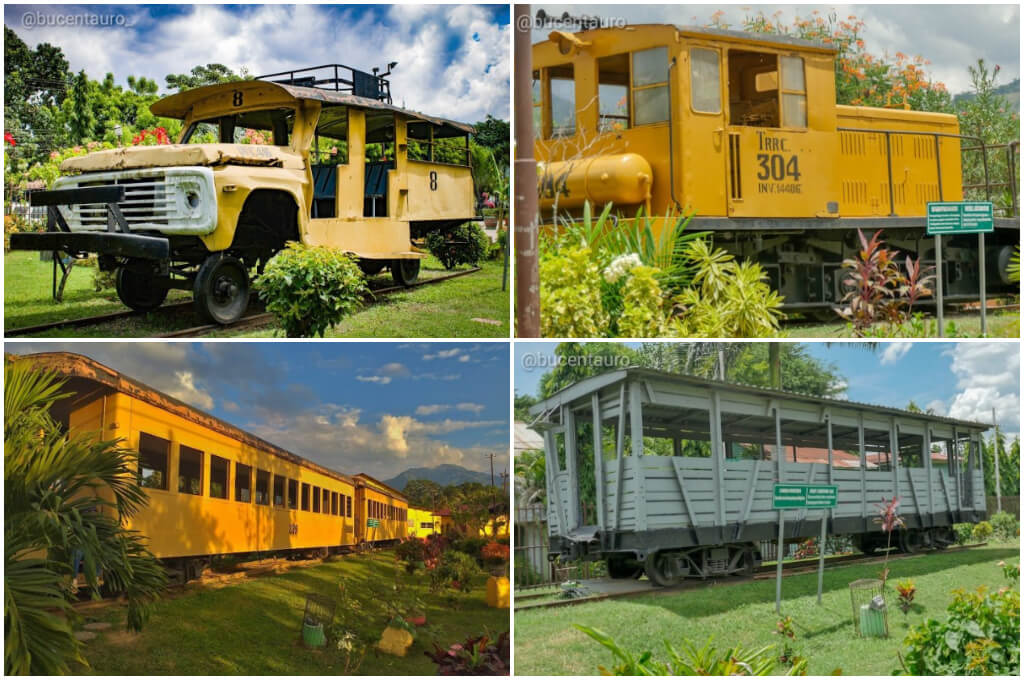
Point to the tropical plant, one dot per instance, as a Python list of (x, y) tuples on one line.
[(66, 496), (727, 298), (905, 592), (982, 531), (1004, 526), (456, 570), (570, 295), (465, 244), (963, 532), (643, 309), (707, 660), (413, 553), (890, 520), (310, 289), (475, 656)]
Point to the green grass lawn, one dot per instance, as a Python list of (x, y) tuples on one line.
[(547, 644), (446, 309), (999, 324), (252, 628)]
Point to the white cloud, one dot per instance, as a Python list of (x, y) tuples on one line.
[(988, 376), (186, 391), (431, 409), (379, 379), (443, 354), (469, 406), (894, 351)]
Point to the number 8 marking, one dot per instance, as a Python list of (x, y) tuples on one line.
[(433, 180)]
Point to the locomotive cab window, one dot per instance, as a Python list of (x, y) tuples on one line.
[(153, 454), (278, 491), (305, 496), (613, 92), (753, 89), (561, 93), (293, 494), (794, 92), (705, 81), (190, 471), (262, 495), (218, 477), (267, 126), (243, 483), (650, 86)]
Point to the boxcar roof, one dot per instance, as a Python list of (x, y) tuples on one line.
[(81, 369), (380, 486), (721, 34), (178, 105), (585, 387)]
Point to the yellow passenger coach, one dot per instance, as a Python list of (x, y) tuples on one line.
[(744, 131), (215, 489)]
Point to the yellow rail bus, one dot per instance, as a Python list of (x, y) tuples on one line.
[(744, 131)]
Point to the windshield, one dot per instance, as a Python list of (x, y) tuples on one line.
[(268, 126)]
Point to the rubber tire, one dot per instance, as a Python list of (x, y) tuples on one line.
[(405, 272), (137, 290), (659, 569), (911, 541), (215, 272), (372, 267), (622, 567), (943, 537)]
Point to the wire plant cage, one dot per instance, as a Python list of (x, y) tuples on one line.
[(870, 614), (316, 620)]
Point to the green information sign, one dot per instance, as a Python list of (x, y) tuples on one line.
[(373, 522), (963, 217), (804, 496)]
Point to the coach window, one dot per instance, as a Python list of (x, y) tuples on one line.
[(705, 81), (316, 499), (794, 92), (218, 477), (305, 496), (190, 471), (911, 450), (153, 454), (278, 491), (613, 92), (562, 95), (243, 483), (262, 494), (326, 502), (334, 502), (650, 86), (348, 504), (293, 494)]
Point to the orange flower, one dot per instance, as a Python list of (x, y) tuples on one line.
[(860, 44)]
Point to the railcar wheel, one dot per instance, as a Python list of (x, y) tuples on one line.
[(405, 272), (371, 267), (911, 541), (139, 290), (622, 567), (221, 289), (663, 569), (943, 537)]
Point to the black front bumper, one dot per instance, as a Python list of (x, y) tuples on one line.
[(114, 244)]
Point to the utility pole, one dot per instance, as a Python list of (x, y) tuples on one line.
[(995, 458), (525, 187)]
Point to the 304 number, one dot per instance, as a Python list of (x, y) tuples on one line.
[(775, 166)]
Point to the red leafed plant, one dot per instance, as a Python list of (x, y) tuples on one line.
[(890, 520), (495, 552), (475, 656), (156, 136), (906, 591)]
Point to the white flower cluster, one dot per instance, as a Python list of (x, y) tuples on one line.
[(621, 266)]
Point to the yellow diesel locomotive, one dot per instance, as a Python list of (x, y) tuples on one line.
[(744, 131), (215, 489), (423, 522)]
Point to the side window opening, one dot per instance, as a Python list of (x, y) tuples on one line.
[(380, 158), (613, 92), (334, 502), (243, 483), (330, 149), (190, 470), (766, 90), (305, 496), (538, 106), (562, 95), (293, 494), (278, 491), (705, 80), (794, 92), (327, 502), (316, 499), (650, 86), (262, 495), (348, 503), (153, 454), (266, 127), (218, 477)]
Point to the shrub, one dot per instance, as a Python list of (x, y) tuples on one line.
[(471, 545), (413, 552), (707, 660), (643, 313), (963, 532), (570, 295), (1005, 526), (465, 244), (310, 289), (456, 570), (475, 656), (980, 636), (495, 553), (905, 590), (982, 531)]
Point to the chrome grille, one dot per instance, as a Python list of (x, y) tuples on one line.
[(147, 201)]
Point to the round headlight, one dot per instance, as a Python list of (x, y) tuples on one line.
[(192, 198)]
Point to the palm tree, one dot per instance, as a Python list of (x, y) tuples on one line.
[(66, 495)]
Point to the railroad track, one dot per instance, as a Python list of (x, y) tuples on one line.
[(251, 321), (763, 572)]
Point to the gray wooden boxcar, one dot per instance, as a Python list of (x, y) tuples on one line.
[(698, 497)]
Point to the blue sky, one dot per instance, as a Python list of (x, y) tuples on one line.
[(963, 380), (378, 408), (453, 60)]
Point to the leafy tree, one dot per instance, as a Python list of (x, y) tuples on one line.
[(801, 372), (210, 74), (65, 494), (522, 404), (1009, 466), (531, 477), (579, 360), (35, 85), (493, 133), (423, 493)]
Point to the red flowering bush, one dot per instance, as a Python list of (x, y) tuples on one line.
[(154, 137), (495, 552), (9, 139)]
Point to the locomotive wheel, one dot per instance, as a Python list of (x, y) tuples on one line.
[(138, 290), (622, 567), (221, 289), (663, 569), (371, 267), (405, 272), (943, 537), (911, 541)]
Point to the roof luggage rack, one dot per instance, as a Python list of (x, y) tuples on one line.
[(339, 78)]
